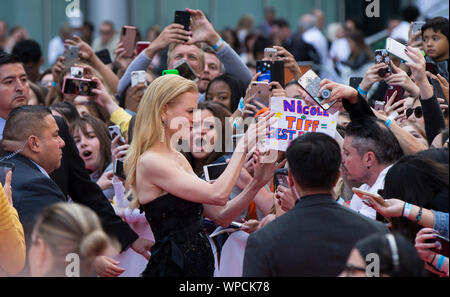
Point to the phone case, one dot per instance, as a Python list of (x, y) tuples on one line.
[(71, 56), (138, 77), (129, 39), (391, 90), (210, 175), (397, 49), (114, 131), (310, 82), (77, 90), (183, 18), (104, 56), (185, 70)]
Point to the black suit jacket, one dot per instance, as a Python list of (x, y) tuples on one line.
[(312, 239), (74, 181), (32, 192)]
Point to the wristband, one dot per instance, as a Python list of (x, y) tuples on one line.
[(241, 105), (218, 44), (407, 210), (419, 215), (54, 84), (440, 262), (361, 91)]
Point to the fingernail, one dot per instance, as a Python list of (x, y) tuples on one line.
[(438, 245)]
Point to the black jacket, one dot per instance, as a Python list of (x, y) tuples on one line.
[(312, 239), (74, 181), (32, 192)]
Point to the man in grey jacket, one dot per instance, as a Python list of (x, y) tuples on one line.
[(186, 45)]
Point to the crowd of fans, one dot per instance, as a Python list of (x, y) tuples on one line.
[(136, 202)]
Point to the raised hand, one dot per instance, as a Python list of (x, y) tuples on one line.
[(173, 33), (202, 30), (86, 53)]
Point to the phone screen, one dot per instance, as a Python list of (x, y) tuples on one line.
[(382, 56), (5, 167), (281, 178), (118, 169), (185, 70), (212, 172), (80, 87)]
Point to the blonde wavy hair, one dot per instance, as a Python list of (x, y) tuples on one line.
[(148, 129)]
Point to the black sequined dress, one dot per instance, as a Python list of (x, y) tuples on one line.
[(181, 247)]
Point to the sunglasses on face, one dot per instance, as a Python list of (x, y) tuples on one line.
[(417, 112)]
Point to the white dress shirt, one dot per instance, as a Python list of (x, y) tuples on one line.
[(356, 203)]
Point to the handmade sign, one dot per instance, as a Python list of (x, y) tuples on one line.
[(295, 118)]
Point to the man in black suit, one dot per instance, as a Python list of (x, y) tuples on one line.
[(316, 236), (72, 177), (31, 134)]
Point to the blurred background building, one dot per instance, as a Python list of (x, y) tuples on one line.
[(43, 19)]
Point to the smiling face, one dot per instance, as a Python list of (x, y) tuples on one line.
[(220, 92), (88, 145), (204, 136), (14, 89)]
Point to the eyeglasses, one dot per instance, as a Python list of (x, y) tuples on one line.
[(417, 112)]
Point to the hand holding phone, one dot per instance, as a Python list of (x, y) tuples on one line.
[(443, 242), (397, 49), (114, 131), (280, 178), (310, 82), (79, 87), (376, 197), (71, 53), (5, 167), (382, 56)]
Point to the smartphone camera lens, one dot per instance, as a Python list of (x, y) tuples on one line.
[(325, 94)]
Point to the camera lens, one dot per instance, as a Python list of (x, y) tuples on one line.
[(325, 94)]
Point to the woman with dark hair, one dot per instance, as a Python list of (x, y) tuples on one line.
[(207, 134), (360, 52), (419, 181), (397, 257), (94, 144), (66, 110), (226, 89)]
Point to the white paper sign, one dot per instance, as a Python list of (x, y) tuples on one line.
[(295, 118)]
